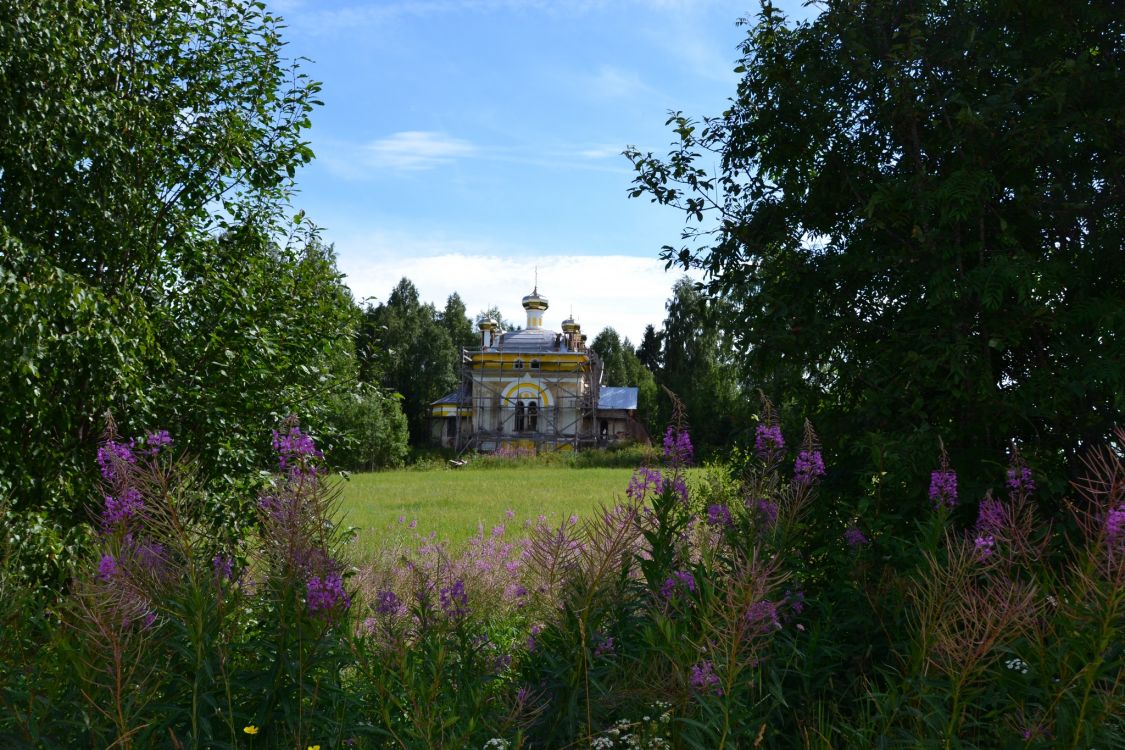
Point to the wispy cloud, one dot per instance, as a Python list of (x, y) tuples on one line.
[(601, 151), (615, 83), (414, 150)]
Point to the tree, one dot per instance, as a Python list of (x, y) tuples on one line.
[(404, 342), (607, 345), (649, 350), (697, 368), (457, 323), (917, 220), (147, 264)]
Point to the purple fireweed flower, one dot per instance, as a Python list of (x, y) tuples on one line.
[(809, 467), (325, 594), (603, 644), (718, 515), (107, 568), (990, 516), (122, 508), (854, 537), (1020, 481), (154, 441), (531, 643), (150, 556), (111, 453), (762, 616), (293, 448), (642, 480), (703, 678), (501, 662), (766, 511), (454, 600), (1115, 525), (386, 603), (223, 566), (768, 440), (943, 488), (796, 601), (681, 581), (514, 592), (677, 447), (984, 544)]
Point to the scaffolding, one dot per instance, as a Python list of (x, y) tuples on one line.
[(500, 419)]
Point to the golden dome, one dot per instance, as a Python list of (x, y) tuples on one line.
[(534, 301)]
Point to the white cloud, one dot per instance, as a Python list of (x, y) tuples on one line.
[(603, 151), (414, 150), (421, 150), (623, 291)]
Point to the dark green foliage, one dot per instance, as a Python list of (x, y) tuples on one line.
[(649, 350), (917, 222), (405, 347), (607, 345), (146, 263), (696, 365), (457, 324)]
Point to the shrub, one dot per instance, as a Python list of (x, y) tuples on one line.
[(369, 430)]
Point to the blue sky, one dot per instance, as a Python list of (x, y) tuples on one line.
[(463, 142)]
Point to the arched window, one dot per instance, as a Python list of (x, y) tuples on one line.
[(518, 364), (533, 415), (534, 364), (519, 416)]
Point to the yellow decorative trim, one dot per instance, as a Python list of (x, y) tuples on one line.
[(517, 391), (449, 410)]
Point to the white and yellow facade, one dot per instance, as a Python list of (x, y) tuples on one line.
[(529, 389)]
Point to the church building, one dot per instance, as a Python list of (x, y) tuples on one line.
[(534, 389)]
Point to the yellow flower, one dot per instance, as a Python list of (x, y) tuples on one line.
[(250, 730), (314, 747)]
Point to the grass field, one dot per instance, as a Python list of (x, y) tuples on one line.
[(453, 503)]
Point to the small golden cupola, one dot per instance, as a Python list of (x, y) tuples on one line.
[(572, 334), (488, 330), (535, 304)]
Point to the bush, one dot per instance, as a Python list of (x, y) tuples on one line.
[(369, 430)]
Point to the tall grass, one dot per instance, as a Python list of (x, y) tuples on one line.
[(731, 608)]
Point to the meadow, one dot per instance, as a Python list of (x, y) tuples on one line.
[(454, 504)]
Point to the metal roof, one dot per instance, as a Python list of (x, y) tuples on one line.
[(453, 397), (617, 398), (528, 340)]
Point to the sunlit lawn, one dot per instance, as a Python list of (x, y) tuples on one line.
[(453, 502)]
